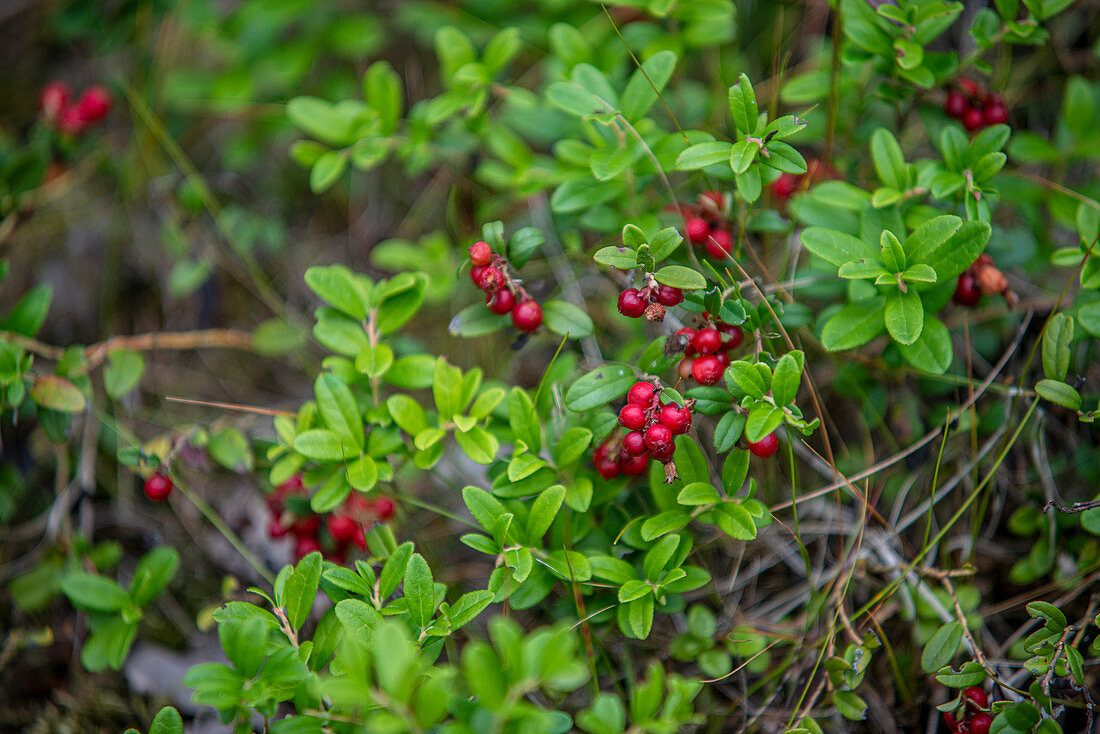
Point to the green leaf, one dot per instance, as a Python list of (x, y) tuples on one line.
[(566, 319), (728, 431), (572, 445), (735, 521), (786, 378), (244, 643), (57, 393), (742, 155), (1059, 393), (678, 276), (888, 160), (97, 593), (337, 407), (599, 387), (152, 573), (230, 448), (664, 523), (480, 445), (320, 444), (698, 493), (327, 170), (838, 247), (29, 312), (942, 647), (622, 258), (951, 257), (645, 84), (1056, 346), (574, 98), (341, 288), (748, 378), (932, 351), (904, 316), (543, 511), (855, 324), (400, 298), (383, 91), (301, 589), (665, 243), (763, 419), (123, 372), (419, 591), (743, 107), (167, 721), (702, 155)]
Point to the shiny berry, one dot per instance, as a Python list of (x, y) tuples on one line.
[(658, 436), (734, 335), (976, 695), (501, 302), (527, 315), (723, 359), (967, 292), (690, 334), (53, 98), (383, 508), (476, 274), (707, 341), (995, 114), (707, 370), (480, 254), (632, 417), (697, 230), (634, 444), (719, 244), (94, 104), (631, 303), (341, 528), (640, 393), (973, 119), (980, 723), (678, 419), (608, 468), (305, 546), (157, 487), (785, 186), (635, 466), (956, 105), (766, 446), (950, 722), (276, 529), (669, 296)]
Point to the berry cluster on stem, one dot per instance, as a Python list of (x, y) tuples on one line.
[(503, 292), (650, 301), (972, 717), (73, 118), (707, 223), (975, 107), (651, 430), (706, 350)]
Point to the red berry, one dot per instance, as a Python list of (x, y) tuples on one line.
[(658, 436), (766, 446), (970, 87), (480, 254), (306, 527), (632, 417), (956, 105), (489, 278), (305, 546), (977, 696), (383, 508), (71, 123), (341, 528), (94, 104), (634, 444), (734, 336), (973, 119), (723, 359), (707, 370), (527, 315), (697, 230), (501, 302), (950, 722), (608, 468), (669, 296), (785, 186), (678, 419), (53, 98), (995, 114), (640, 393), (707, 341), (690, 334), (157, 487), (476, 274), (719, 244), (967, 292), (635, 466), (631, 303), (276, 529), (980, 723)]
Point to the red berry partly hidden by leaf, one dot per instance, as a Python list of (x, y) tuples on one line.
[(734, 336), (94, 104), (341, 528), (707, 370), (785, 186), (766, 446), (634, 444), (719, 244), (383, 508), (995, 114), (973, 119), (53, 98), (697, 230), (305, 546), (967, 292), (527, 315), (707, 341), (690, 334), (950, 722), (980, 723), (501, 302), (635, 466), (669, 296), (723, 359), (677, 418), (956, 105), (658, 436), (480, 254), (157, 487), (977, 696), (632, 417), (276, 529), (631, 303), (640, 393)]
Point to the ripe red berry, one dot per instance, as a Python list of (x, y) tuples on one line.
[(690, 334), (719, 244), (969, 86), (973, 119), (707, 370), (995, 114), (707, 341), (489, 279), (306, 527), (658, 436), (634, 444), (723, 359), (678, 419), (967, 292), (976, 695), (640, 393), (480, 254), (635, 466), (341, 528), (669, 296), (94, 104), (383, 508), (766, 446), (980, 723), (476, 274), (950, 722), (305, 546), (527, 315), (734, 336), (697, 230), (608, 467), (631, 303), (276, 529), (632, 417), (71, 122), (53, 98), (501, 302), (785, 186), (956, 105), (157, 487)]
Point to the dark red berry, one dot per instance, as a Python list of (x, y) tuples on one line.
[(785, 186), (641, 393), (631, 303), (950, 722), (527, 315), (94, 104), (690, 334), (53, 98), (341, 528), (956, 105), (697, 230), (707, 370), (969, 86), (973, 119), (719, 244), (157, 487), (977, 696), (276, 529), (669, 296), (480, 254), (658, 436), (766, 446), (635, 466), (501, 302), (734, 336), (723, 359), (664, 454), (995, 115), (608, 468), (967, 292), (490, 279), (306, 527), (305, 546), (678, 419), (476, 274), (980, 723), (634, 444), (707, 341), (632, 417), (71, 122), (383, 508)]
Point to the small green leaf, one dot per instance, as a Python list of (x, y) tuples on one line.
[(904, 316), (942, 647), (419, 591), (678, 276), (123, 372), (1059, 393)]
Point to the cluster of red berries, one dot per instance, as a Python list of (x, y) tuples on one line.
[(982, 278), (974, 107), (706, 351), (972, 719), (490, 273), (158, 486), (75, 118), (650, 301), (784, 187), (706, 223), (651, 427), (343, 528)]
